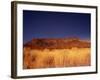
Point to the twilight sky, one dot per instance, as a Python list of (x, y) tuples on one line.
[(43, 24)]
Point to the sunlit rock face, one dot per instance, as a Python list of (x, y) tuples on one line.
[(52, 53)]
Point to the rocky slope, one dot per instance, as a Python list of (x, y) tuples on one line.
[(57, 43)]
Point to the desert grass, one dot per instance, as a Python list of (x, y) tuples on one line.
[(46, 58)]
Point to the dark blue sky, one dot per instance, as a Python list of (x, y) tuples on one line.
[(43, 24)]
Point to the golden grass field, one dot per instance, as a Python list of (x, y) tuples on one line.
[(46, 58)]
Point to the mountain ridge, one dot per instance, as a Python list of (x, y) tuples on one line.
[(57, 43)]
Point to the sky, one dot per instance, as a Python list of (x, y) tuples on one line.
[(46, 24)]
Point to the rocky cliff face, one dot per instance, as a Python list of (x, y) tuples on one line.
[(61, 43)]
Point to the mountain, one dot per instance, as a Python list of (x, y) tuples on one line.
[(57, 43)]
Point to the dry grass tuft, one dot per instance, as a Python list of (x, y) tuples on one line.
[(34, 58)]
